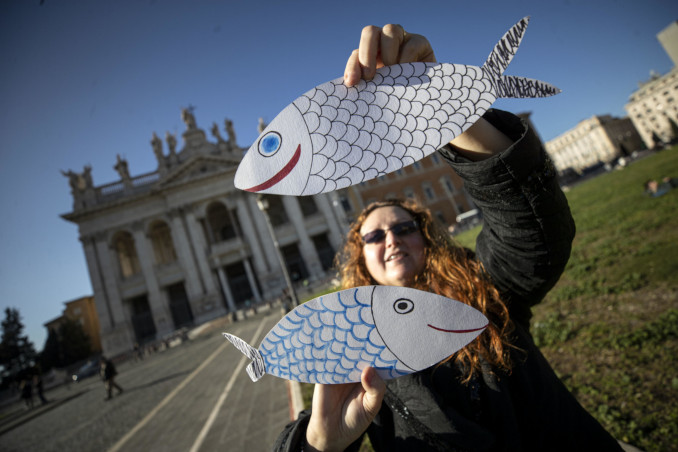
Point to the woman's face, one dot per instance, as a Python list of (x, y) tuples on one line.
[(394, 260)]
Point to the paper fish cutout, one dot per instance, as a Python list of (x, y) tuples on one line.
[(335, 136), (330, 339)]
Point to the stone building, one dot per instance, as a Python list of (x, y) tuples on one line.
[(592, 141), (654, 110), (430, 181), (82, 310), (653, 107), (180, 245)]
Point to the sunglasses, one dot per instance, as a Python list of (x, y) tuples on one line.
[(400, 230)]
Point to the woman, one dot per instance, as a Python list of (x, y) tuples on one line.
[(498, 393)]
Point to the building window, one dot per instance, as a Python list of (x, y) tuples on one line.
[(449, 186), (417, 165), (325, 250), (307, 205), (127, 254), (346, 204), (435, 158), (428, 191), (163, 248), (409, 193), (276, 211), (220, 224)]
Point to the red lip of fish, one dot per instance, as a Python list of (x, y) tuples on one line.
[(457, 331), (280, 175)]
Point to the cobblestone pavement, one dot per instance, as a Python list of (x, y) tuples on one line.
[(195, 396)]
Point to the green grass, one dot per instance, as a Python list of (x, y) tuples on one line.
[(610, 326)]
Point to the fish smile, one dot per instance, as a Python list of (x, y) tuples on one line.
[(457, 331), (280, 175)]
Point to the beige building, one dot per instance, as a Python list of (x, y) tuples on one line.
[(180, 245), (653, 108), (430, 182), (592, 141), (82, 310), (668, 38)]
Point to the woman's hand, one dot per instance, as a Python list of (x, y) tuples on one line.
[(383, 47), (391, 44), (341, 413)]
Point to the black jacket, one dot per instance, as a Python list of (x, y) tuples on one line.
[(524, 246)]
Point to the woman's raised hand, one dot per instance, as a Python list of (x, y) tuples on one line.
[(385, 46)]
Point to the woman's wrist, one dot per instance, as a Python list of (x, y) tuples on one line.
[(480, 141)]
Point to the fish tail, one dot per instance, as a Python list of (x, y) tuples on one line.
[(511, 86), (256, 369), (506, 48), (507, 85)]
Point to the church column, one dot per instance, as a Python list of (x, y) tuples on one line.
[(228, 295), (251, 279), (248, 230), (192, 282), (308, 251), (107, 262), (200, 247), (334, 220), (101, 299), (158, 303), (262, 233)]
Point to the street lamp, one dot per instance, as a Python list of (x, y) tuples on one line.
[(262, 203)]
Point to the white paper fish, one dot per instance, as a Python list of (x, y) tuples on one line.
[(335, 136), (330, 339)]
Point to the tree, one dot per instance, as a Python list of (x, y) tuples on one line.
[(17, 354), (68, 345)]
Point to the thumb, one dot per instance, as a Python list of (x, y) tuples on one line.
[(375, 388)]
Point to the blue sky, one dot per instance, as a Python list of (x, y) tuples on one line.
[(82, 81)]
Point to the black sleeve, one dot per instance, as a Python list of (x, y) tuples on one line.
[(528, 229)]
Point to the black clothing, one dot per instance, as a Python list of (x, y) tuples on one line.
[(524, 246)]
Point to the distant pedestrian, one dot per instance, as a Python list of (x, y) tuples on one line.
[(108, 373), (37, 384), (138, 352), (26, 392)]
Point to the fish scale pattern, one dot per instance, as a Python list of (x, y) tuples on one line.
[(375, 127), (323, 340)]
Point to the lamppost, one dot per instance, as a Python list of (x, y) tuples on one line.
[(262, 203)]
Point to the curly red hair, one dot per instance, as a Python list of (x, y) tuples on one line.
[(451, 271)]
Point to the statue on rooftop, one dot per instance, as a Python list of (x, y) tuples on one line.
[(171, 142), (122, 169), (215, 132), (188, 118), (75, 180), (87, 176), (231, 132), (156, 143), (262, 125)]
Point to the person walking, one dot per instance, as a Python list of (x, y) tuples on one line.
[(108, 373)]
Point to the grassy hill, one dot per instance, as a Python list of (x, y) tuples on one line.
[(610, 326)]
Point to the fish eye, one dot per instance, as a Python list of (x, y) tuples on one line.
[(269, 144), (403, 306)]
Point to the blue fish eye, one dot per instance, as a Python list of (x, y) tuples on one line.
[(403, 306), (270, 144)]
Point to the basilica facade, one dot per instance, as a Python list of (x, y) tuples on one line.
[(181, 245)]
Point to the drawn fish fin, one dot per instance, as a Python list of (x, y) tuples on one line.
[(506, 48), (257, 368), (511, 86)]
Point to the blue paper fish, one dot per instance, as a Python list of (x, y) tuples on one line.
[(335, 136), (330, 339)]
